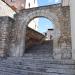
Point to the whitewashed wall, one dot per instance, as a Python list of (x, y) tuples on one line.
[(5, 10), (33, 3)]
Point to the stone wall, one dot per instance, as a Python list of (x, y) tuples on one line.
[(65, 38), (59, 15), (5, 35)]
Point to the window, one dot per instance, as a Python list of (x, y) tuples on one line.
[(13, 0), (34, 1), (29, 5)]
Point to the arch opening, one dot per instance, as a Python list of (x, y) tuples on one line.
[(39, 33), (41, 24)]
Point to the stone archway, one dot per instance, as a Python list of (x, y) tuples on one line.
[(52, 12), (52, 17)]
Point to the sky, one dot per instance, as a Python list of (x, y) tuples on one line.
[(45, 24), (47, 2)]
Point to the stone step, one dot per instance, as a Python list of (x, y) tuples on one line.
[(40, 60), (46, 47), (37, 55), (42, 46), (33, 66), (47, 66), (38, 70), (40, 50), (30, 73)]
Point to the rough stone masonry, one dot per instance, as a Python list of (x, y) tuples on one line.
[(12, 31)]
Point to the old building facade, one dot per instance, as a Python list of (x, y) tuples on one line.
[(16, 4)]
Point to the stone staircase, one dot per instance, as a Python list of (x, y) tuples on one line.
[(36, 64), (45, 48)]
